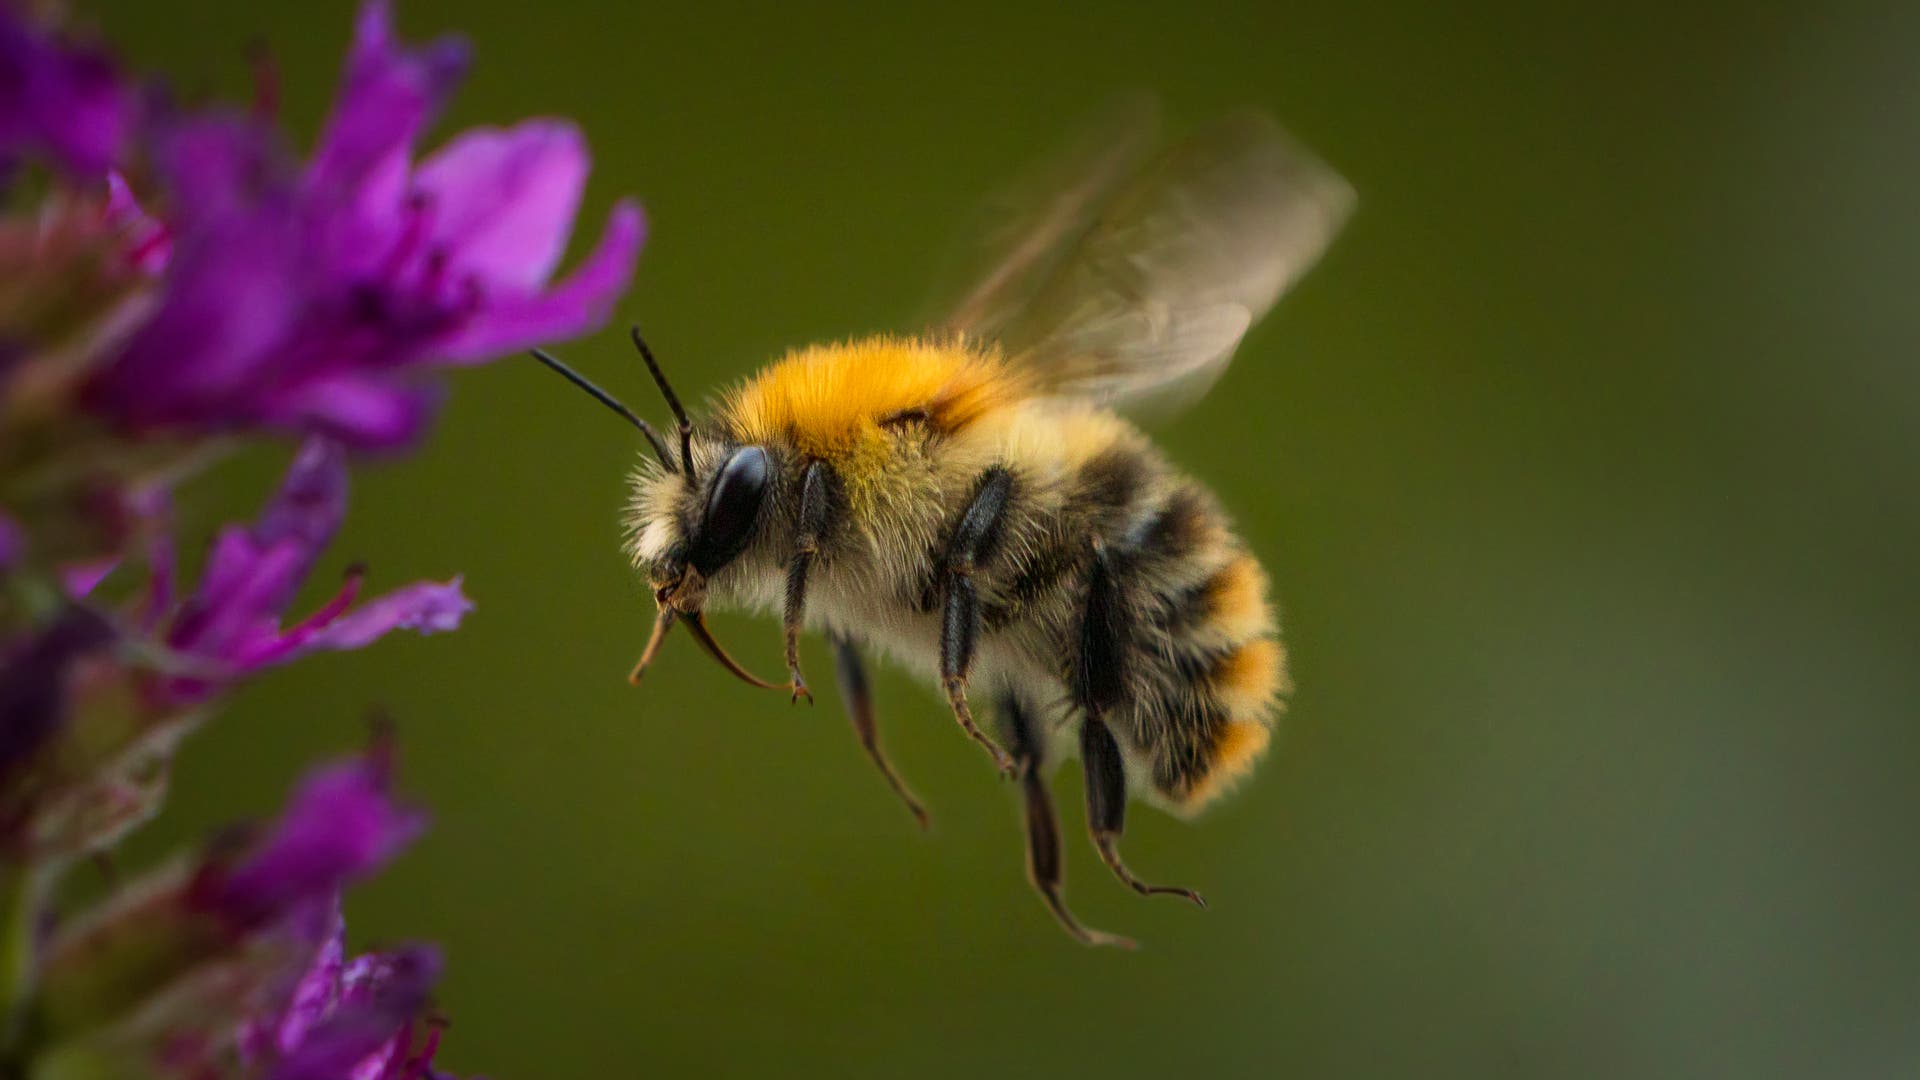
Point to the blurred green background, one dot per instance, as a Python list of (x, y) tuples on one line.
[(1585, 467)]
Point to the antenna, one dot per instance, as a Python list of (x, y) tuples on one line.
[(673, 400), (613, 403)]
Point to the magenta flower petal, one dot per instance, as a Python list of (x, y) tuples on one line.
[(354, 1019), (426, 608), (78, 580), (388, 96), (340, 826), (13, 542), (363, 411), (253, 573), (354, 191), (236, 609), (311, 501), (311, 998), (59, 101), (368, 1035), (503, 202), (232, 294), (217, 165), (583, 301), (148, 243), (234, 620)]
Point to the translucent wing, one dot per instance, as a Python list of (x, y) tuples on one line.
[(1139, 276), (1022, 235)]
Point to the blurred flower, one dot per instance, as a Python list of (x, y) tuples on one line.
[(241, 958), (312, 300), (341, 825), (83, 760), (34, 682), (147, 244), (12, 543), (247, 292), (362, 1019), (66, 272), (58, 101), (232, 622)]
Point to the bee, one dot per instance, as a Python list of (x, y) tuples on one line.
[(971, 503)]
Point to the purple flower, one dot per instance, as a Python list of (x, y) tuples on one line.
[(360, 1019), (239, 967), (56, 101), (341, 825), (13, 543), (72, 272), (147, 245), (79, 579), (34, 677), (312, 300), (232, 622)]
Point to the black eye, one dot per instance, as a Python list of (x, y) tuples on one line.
[(732, 508)]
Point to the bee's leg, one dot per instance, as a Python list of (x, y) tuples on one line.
[(816, 516), (1107, 806), (1043, 830), (853, 687), (1099, 685), (973, 541)]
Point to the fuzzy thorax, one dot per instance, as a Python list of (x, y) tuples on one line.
[(835, 402)]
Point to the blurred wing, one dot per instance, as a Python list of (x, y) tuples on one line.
[(1148, 293), (1023, 233)]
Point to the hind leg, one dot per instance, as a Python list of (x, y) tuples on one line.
[(1043, 828), (1100, 685), (1107, 806)]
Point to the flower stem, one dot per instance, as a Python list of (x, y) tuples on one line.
[(24, 889)]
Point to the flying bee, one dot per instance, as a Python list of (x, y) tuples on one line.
[(970, 502)]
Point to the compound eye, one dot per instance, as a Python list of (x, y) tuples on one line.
[(732, 509)]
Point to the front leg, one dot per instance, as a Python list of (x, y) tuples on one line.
[(973, 543), (817, 502)]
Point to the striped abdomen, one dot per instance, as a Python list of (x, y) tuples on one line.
[(1132, 573)]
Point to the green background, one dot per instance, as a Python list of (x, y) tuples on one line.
[(1584, 465)]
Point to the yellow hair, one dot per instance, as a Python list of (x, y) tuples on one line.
[(829, 400)]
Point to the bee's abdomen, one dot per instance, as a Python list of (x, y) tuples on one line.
[(1173, 634)]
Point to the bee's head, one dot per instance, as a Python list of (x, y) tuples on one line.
[(692, 516), (691, 524)]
